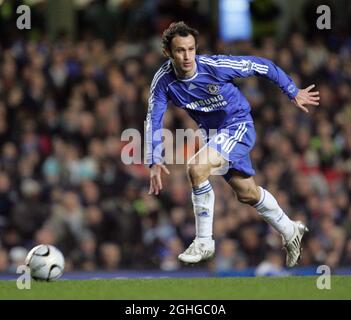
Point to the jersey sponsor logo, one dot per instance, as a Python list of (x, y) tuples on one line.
[(213, 88), (209, 104)]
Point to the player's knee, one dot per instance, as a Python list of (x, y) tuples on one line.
[(198, 173), (250, 196)]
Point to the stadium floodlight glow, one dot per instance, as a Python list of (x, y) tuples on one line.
[(234, 20)]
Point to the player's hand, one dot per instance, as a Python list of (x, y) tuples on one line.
[(306, 97), (155, 178)]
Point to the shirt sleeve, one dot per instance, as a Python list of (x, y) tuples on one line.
[(154, 120), (246, 66)]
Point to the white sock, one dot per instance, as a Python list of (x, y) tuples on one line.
[(270, 211), (203, 202)]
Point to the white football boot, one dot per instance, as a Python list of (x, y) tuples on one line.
[(293, 246), (198, 251)]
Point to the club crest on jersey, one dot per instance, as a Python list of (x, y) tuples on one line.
[(213, 88)]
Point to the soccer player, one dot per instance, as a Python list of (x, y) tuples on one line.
[(203, 86)]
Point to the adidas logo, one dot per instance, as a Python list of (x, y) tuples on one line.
[(192, 86)]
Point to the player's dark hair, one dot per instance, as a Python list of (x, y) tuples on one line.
[(177, 29)]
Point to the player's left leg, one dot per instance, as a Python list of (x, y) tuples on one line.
[(249, 193), (240, 178)]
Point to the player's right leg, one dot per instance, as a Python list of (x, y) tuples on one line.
[(203, 198)]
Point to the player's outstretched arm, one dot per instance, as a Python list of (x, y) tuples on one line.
[(155, 177), (306, 97)]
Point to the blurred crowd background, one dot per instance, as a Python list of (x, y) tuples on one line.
[(67, 95)]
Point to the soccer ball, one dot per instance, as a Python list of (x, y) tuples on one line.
[(46, 262)]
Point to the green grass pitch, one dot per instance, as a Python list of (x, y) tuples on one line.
[(183, 288)]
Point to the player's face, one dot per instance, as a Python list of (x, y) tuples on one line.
[(183, 54)]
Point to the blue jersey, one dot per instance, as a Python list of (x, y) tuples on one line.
[(210, 96)]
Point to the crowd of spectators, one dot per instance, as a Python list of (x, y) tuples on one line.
[(63, 108)]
